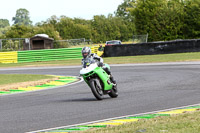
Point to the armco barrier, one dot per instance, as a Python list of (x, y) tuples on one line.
[(8, 57), (49, 54), (177, 46), (94, 49), (43, 55)]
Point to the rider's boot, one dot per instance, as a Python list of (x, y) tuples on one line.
[(113, 80)]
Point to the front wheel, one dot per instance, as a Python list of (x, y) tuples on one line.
[(114, 92), (96, 88)]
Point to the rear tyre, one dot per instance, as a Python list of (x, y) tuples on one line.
[(96, 88)]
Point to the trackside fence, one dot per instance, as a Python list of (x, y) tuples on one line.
[(49, 55), (152, 48)]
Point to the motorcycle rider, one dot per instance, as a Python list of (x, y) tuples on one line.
[(100, 48), (92, 57)]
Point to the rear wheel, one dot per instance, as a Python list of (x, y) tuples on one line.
[(96, 88)]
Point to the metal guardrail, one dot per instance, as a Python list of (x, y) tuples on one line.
[(49, 55), (43, 55), (8, 57)]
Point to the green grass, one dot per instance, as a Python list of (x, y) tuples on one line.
[(183, 123), (17, 78), (178, 57), (195, 56), (45, 63)]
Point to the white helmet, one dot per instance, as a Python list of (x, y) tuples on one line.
[(86, 52)]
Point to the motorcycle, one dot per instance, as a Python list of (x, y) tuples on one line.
[(98, 80)]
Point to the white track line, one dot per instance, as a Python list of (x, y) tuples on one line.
[(139, 64), (111, 119)]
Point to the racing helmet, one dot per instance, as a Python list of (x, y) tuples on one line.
[(86, 52)]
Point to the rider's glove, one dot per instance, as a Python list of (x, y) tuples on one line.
[(96, 58), (87, 64)]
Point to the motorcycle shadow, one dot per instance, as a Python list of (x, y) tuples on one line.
[(84, 100)]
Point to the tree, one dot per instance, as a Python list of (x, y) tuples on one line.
[(192, 19), (161, 19), (4, 26), (127, 17), (4, 23), (122, 10), (108, 28), (20, 31), (101, 28), (81, 21), (22, 17), (48, 29), (68, 29), (53, 20)]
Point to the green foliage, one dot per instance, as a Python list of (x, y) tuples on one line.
[(100, 28), (3, 32), (20, 31), (81, 21), (129, 20), (161, 19), (146, 15), (53, 20), (122, 10), (16, 31), (167, 19), (68, 29), (4, 26), (4, 23), (110, 28), (22, 17), (48, 29), (192, 19)]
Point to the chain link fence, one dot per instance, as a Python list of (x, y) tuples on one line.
[(71, 42), (140, 38), (18, 44), (15, 44)]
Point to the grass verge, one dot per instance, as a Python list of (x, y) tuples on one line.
[(178, 57), (17, 78), (183, 123)]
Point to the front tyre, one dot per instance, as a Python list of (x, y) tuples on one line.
[(114, 92), (96, 88)]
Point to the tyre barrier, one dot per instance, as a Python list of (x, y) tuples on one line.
[(152, 48), (120, 121), (62, 80)]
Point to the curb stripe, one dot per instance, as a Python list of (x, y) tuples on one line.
[(120, 120), (62, 81)]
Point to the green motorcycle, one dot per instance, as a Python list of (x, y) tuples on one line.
[(98, 80)]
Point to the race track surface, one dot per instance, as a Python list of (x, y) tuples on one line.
[(142, 88)]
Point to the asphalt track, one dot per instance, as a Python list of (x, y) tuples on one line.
[(142, 88)]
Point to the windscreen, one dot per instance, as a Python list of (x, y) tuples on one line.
[(87, 62)]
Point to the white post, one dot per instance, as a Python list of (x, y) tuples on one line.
[(147, 37), (0, 44)]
